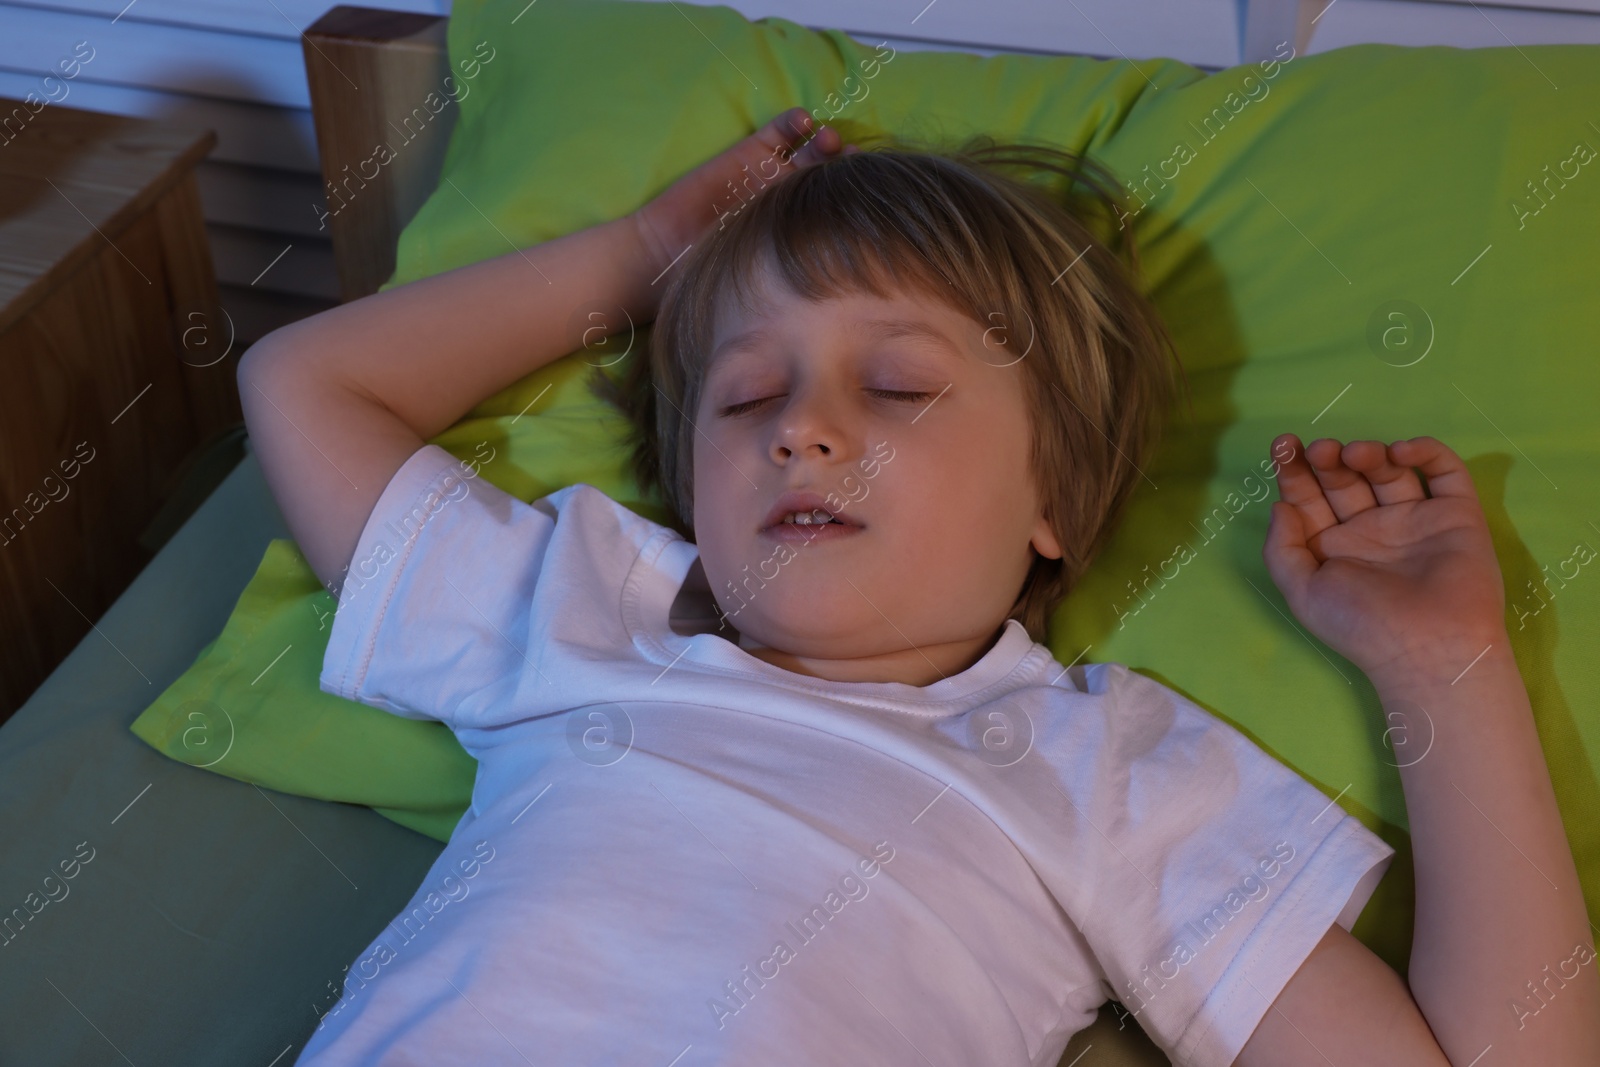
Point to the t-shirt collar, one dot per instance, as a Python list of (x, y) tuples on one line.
[(658, 575)]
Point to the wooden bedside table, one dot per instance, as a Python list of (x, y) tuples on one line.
[(112, 366)]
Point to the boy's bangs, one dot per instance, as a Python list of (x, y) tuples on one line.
[(829, 232)]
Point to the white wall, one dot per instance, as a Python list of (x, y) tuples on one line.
[(1461, 25), (236, 66)]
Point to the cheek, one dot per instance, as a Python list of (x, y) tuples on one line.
[(719, 518), (957, 471), (926, 494), (969, 487), (705, 461)]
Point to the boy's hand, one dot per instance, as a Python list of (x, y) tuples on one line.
[(695, 202), (1404, 586)]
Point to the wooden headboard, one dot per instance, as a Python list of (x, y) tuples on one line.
[(371, 73)]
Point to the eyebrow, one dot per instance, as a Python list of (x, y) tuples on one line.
[(871, 329)]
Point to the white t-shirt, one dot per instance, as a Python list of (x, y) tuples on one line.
[(678, 853)]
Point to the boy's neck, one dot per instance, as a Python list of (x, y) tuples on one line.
[(912, 666), (918, 667)]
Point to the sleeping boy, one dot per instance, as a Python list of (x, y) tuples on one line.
[(794, 779)]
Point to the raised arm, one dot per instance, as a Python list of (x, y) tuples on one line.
[(1406, 586), (336, 403)]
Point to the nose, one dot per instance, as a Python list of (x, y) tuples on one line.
[(806, 426)]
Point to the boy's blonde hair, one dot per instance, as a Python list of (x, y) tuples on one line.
[(1010, 254)]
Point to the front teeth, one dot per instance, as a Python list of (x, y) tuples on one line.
[(808, 518)]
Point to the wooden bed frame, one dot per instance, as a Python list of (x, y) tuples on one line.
[(368, 69)]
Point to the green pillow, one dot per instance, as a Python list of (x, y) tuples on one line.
[(1376, 242)]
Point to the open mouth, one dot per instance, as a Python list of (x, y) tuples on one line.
[(808, 512), (817, 517), (807, 527)]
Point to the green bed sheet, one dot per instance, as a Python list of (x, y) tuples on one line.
[(170, 917)]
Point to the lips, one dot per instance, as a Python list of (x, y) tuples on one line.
[(817, 533), (800, 500)]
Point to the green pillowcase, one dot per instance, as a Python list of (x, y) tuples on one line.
[(1376, 242)]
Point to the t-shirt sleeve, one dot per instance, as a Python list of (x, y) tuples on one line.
[(1222, 870), (434, 614)]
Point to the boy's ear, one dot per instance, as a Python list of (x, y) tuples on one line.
[(1044, 540)]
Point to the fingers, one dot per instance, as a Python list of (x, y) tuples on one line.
[(787, 129), (824, 145), (1299, 487), (788, 133), (1358, 476), (1348, 493), (1392, 483), (794, 136), (1328, 483), (1446, 472)]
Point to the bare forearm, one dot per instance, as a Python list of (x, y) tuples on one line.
[(336, 403), (430, 350), (1502, 950)]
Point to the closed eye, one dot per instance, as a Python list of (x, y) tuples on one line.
[(887, 394), (748, 405)]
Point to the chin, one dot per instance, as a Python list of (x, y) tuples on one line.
[(804, 637)]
